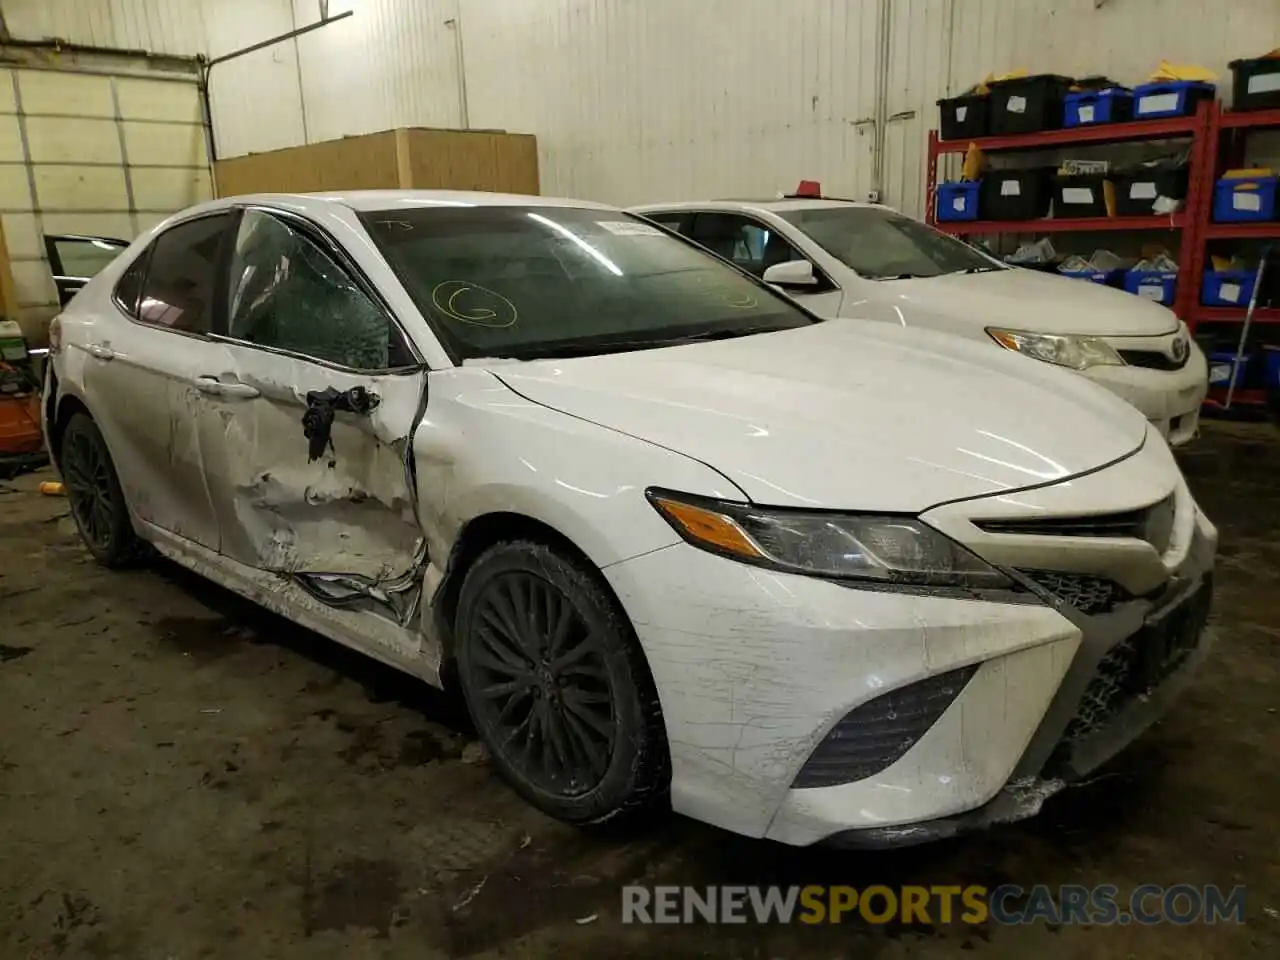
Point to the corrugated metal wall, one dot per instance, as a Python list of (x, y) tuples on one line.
[(646, 99)]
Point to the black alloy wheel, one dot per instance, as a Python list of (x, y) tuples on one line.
[(557, 686), (93, 490)]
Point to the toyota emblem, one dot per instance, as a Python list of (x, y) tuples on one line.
[(1180, 349)]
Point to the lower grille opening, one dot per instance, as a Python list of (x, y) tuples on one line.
[(871, 737), (1138, 664), (1088, 594)]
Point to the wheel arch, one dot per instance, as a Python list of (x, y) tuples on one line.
[(65, 407), (487, 530)]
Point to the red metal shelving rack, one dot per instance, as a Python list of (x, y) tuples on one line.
[(1197, 128), (1217, 143), (1226, 142)]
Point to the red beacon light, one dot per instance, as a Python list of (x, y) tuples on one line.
[(809, 188)]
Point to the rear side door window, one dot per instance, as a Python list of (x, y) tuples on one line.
[(179, 290), (286, 292)]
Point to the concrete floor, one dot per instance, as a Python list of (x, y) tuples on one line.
[(183, 775)]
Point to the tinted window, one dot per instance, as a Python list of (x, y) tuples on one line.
[(178, 292), (883, 245), (83, 257), (129, 286), (749, 243), (557, 281), (288, 293)]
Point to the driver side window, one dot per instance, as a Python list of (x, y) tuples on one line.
[(288, 293)]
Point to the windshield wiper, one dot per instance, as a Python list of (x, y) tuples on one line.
[(984, 269)]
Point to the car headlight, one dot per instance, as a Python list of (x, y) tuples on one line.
[(1078, 353), (852, 546)]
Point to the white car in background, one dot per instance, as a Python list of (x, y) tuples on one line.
[(865, 261), (674, 537)]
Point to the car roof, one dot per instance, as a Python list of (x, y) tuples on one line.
[(776, 205), (363, 200)]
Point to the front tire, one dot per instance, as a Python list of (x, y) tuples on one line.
[(93, 490), (557, 686)]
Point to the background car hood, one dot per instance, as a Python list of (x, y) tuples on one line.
[(1024, 299), (839, 416)]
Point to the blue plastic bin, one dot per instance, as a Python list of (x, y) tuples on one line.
[(1220, 363), (1245, 199), (1112, 105), (1227, 288), (959, 200), (1156, 285), (1169, 98)]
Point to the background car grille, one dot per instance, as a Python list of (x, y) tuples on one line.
[(1154, 524), (872, 736), (1088, 594), (1152, 359), (1139, 663)]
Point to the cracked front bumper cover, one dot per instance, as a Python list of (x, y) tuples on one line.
[(1057, 757)]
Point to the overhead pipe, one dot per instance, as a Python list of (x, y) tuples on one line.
[(252, 48)]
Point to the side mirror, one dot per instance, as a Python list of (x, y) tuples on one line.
[(793, 273)]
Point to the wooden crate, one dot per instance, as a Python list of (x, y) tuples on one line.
[(406, 158)]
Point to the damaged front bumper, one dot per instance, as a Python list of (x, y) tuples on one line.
[(1131, 666)]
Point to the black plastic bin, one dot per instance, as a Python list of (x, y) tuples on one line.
[(1137, 188), (1015, 194), (1027, 104), (1269, 292), (1255, 84), (1079, 195), (963, 117)]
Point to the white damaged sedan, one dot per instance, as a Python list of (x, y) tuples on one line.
[(676, 539)]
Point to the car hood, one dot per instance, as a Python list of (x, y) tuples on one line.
[(833, 415), (1022, 299)]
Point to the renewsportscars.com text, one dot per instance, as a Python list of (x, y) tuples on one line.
[(1007, 904)]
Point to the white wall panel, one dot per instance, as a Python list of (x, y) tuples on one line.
[(392, 64), (159, 26), (644, 99), (665, 99)]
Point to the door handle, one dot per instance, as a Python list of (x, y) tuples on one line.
[(231, 391), (240, 391), (99, 352)]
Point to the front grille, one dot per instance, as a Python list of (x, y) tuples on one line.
[(1154, 524), (870, 737), (1152, 359), (1126, 524), (1088, 594), (1137, 664)]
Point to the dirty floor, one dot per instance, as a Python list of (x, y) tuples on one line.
[(183, 775)]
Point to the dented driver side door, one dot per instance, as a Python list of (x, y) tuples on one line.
[(306, 424)]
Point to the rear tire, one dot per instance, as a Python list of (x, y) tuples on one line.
[(557, 686), (93, 490)]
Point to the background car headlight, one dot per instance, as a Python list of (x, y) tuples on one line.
[(1078, 353), (886, 549)]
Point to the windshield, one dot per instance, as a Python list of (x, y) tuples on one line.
[(542, 281), (882, 245)]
